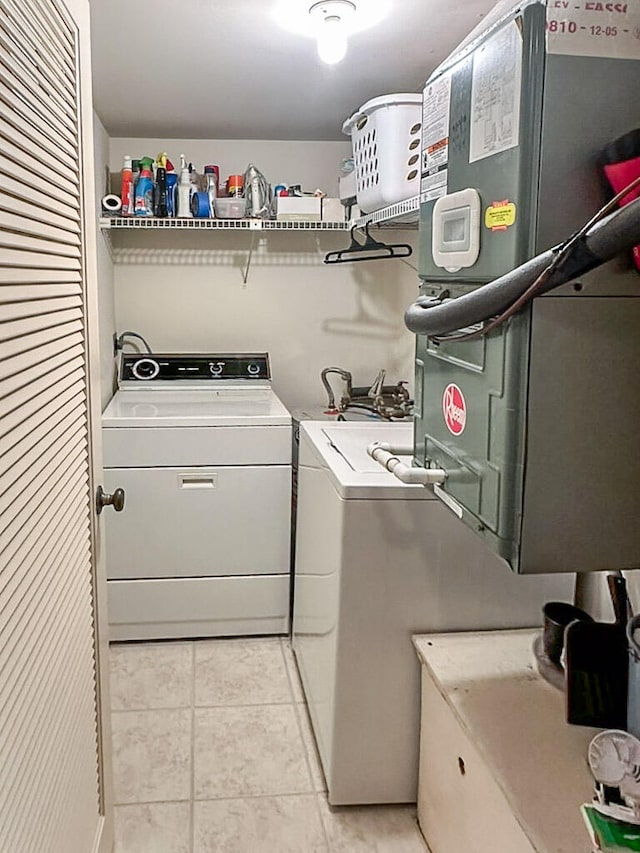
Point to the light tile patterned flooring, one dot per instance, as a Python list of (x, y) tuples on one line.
[(213, 753)]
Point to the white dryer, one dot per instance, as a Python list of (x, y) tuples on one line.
[(201, 446), (377, 561)]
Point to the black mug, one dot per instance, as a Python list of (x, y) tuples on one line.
[(557, 615)]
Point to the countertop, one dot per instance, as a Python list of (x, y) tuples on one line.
[(516, 721)]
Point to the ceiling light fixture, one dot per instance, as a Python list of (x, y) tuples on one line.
[(356, 16), (331, 19)]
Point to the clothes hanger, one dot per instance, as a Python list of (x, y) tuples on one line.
[(370, 250)]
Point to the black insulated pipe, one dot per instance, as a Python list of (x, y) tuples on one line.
[(616, 233)]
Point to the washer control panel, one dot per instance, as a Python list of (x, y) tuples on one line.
[(154, 367)]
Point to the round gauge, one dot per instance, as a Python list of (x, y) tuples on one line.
[(253, 369), (612, 755), (145, 368)]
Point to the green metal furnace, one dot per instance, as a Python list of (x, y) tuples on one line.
[(537, 424)]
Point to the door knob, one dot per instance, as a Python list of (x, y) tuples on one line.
[(116, 500)]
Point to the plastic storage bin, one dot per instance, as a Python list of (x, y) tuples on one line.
[(298, 209), (230, 208), (386, 136)]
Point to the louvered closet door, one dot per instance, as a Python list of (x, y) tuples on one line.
[(50, 790)]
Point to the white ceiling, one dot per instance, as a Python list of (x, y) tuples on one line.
[(223, 69)]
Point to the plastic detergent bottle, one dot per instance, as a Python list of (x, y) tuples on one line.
[(172, 180), (161, 207), (144, 189), (184, 190)]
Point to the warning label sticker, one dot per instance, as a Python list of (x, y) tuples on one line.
[(594, 28), (436, 109), (495, 94), (500, 216), (433, 186)]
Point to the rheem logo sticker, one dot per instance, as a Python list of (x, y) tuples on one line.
[(454, 409)]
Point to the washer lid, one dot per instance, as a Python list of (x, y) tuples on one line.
[(195, 408), (352, 445), (342, 451), (321, 413)]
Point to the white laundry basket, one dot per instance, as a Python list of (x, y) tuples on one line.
[(385, 136)]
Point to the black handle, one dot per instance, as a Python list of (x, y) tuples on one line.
[(619, 598), (116, 500)]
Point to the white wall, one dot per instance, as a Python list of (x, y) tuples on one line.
[(187, 294), (106, 302), (312, 164)]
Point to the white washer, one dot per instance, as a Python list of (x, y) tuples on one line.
[(377, 561), (202, 447)]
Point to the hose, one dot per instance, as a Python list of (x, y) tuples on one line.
[(120, 340), (343, 374), (605, 239)]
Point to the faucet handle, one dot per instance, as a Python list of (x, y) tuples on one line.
[(378, 382)]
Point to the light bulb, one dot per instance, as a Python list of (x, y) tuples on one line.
[(332, 40)]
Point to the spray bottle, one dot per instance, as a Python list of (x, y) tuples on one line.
[(144, 189), (147, 163), (185, 188), (127, 192), (172, 180)]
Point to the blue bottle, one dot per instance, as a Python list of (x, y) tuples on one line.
[(144, 194), (172, 180)]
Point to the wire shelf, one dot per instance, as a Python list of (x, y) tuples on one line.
[(402, 212), (136, 223)]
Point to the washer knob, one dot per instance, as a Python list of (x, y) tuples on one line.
[(145, 368), (253, 369)]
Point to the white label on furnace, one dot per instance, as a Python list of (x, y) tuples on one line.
[(433, 186), (436, 109), (590, 28), (495, 94), (454, 506)]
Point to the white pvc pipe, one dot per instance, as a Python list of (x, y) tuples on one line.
[(405, 473), (397, 449)]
